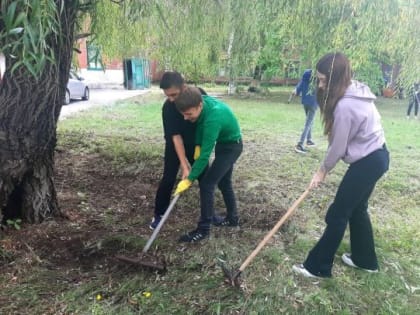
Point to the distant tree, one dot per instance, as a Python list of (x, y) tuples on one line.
[(188, 36), (200, 38), (122, 29), (402, 43), (312, 28)]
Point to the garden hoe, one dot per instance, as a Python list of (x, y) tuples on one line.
[(233, 276), (146, 260)]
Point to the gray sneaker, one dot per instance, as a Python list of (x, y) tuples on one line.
[(310, 143), (300, 149)]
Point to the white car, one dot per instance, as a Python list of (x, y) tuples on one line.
[(76, 88)]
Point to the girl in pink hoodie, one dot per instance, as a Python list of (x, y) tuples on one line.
[(355, 135)]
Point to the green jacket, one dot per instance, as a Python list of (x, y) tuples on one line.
[(216, 124)]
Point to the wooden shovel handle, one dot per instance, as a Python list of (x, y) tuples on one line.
[(273, 231)]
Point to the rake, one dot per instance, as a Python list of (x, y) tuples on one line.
[(146, 260), (233, 276)]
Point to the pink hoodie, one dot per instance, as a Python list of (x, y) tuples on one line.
[(357, 129)]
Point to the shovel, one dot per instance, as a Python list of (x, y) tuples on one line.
[(149, 262), (232, 276)]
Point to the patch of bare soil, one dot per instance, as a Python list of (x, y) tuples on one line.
[(105, 216)]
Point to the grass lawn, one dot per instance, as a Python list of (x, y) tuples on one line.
[(109, 162)]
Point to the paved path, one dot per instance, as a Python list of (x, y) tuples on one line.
[(98, 97)]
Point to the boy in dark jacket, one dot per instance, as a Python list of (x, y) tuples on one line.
[(309, 105), (179, 143)]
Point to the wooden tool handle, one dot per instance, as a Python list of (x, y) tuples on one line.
[(273, 231)]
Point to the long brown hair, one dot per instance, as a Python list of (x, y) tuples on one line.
[(336, 68)]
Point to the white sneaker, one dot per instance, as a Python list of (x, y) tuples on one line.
[(346, 258), (300, 269)]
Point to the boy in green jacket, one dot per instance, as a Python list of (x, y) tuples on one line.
[(217, 128)]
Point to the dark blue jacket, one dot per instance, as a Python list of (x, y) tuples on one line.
[(304, 87)]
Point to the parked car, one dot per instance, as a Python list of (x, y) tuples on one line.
[(76, 88)]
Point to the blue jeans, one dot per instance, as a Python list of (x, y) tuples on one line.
[(219, 173), (350, 206), (307, 130)]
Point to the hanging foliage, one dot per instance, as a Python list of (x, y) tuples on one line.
[(122, 29), (188, 37), (25, 28), (204, 37)]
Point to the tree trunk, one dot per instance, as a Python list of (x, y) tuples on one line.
[(29, 110), (232, 85)]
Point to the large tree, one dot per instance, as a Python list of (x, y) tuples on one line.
[(36, 38)]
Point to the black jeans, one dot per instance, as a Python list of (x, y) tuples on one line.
[(413, 103), (170, 171), (220, 174), (350, 206)]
